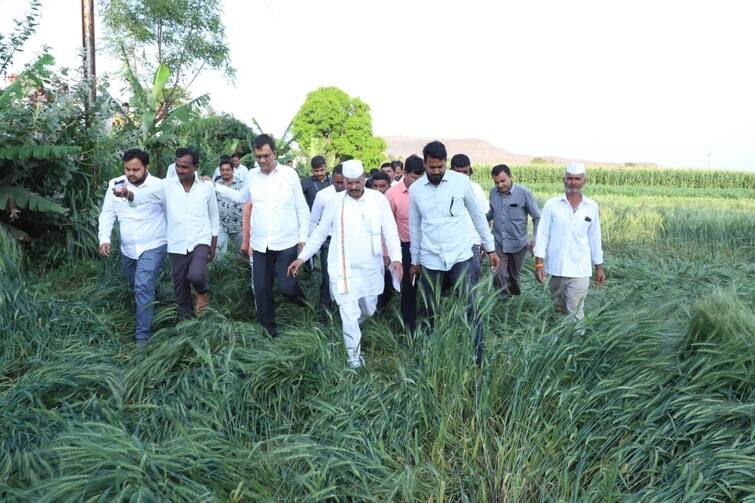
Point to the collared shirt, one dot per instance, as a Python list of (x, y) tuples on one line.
[(241, 173), (509, 215), (280, 216), (230, 212), (398, 199), (192, 217), (311, 186), (437, 225), (568, 239), (141, 228), (318, 207), (482, 202)]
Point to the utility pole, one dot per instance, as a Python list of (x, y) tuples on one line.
[(87, 42)]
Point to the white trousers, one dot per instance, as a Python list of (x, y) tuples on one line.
[(352, 314), (569, 295)]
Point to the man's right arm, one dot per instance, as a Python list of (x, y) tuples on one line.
[(237, 196), (106, 220)]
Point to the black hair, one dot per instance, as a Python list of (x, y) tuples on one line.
[(236, 155), (436, 150), (414, 165), (460, 161), (374, 171), (397, 164), (317, 161), (182, 151), (262, 140), (125, 104), (226, 159), (386, 165), (338, 170), (135, 153), (381, 176), (499, 168)]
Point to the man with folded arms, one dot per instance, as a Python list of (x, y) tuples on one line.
[(143, 236), (568, 243), (279, 223), (193, 226), (510, 203), (440, 203), (359, 221)]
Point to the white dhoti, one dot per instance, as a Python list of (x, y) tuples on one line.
[(355, 258)]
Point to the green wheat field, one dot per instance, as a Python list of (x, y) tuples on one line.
[(655, 402)]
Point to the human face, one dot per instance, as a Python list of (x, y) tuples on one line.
[(381, 185), (320, 173), (338, 182), (503, 182), (355, 186), (573, 183), (464, 170), (226, 172), (235, 162), (135, 171), (389, 171), (398, 174), (185, 169), (435, 169), (266, 159), (410, 178)]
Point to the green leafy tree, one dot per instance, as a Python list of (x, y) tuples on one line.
[(22, 31), (340, 124), (185, 36)]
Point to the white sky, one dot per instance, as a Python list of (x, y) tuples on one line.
[(662, 81)]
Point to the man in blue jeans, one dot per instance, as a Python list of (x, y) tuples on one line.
[(143, 236)]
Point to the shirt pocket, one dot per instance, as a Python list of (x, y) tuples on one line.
[(452, 206)]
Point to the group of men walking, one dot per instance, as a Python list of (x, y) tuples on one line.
[(414, 227)]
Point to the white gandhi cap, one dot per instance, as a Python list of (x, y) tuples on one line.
[(575, 168), (353, 168)]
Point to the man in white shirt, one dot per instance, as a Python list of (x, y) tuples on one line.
[(388, 169), (318, 206), (439, 204), (279, 224), (193, 226), (360, 220), (240, 172), (143, 236), (568, 243), (461, 164)]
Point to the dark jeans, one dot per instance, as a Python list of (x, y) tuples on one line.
[(385, 297), (273, 263), (408, 291), (507, 276), (325, 299), (142, 276), (189, 270), (462, 278)]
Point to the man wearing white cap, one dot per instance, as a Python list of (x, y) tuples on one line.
[(568, 244), (359, 221)]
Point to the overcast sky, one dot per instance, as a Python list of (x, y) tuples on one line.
[(638, 80)]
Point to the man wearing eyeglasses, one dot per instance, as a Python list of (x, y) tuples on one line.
[(440, 203), (279, 223)]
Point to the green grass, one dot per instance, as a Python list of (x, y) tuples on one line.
[(656, 402)]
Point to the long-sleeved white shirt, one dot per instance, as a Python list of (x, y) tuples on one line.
[(318, 206), (280, 218), (438, 229), (483, 203), (355, 254), (192, 217), (142, 228), (569, 240)]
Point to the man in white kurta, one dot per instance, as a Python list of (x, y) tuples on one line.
[(359, 221)]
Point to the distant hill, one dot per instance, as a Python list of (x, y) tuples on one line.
[(479, 151)]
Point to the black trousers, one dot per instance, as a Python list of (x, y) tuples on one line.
[(273, 263), (325, 299), (462, 278), (408, 291), (189, 270)]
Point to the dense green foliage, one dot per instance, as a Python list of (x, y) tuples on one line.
[(656, 402), (341, 126)]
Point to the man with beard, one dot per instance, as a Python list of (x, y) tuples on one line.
[(143, 236), (439, 205), (193, 226), (359, 220), (568, 243)]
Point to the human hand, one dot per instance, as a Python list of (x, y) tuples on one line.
[(398, 270), (495, 261), (105, 249), (600, 275), (293, 269)]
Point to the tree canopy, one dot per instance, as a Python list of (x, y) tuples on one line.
[(343, 126)]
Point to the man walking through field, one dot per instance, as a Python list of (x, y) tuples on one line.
[(568, 243), (359, 221), (143, 236)]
